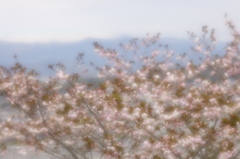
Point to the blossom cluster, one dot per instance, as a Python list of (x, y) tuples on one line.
[(147, 104)]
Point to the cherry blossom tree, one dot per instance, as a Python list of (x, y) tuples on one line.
[(151, 103)]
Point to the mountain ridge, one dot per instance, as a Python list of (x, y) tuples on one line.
[(39, 55)]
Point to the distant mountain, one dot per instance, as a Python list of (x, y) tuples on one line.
[(39, 55)]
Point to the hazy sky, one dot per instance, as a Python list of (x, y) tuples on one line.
[(72, 20)]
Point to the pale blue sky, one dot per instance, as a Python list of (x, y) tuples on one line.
[(72, 20)]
